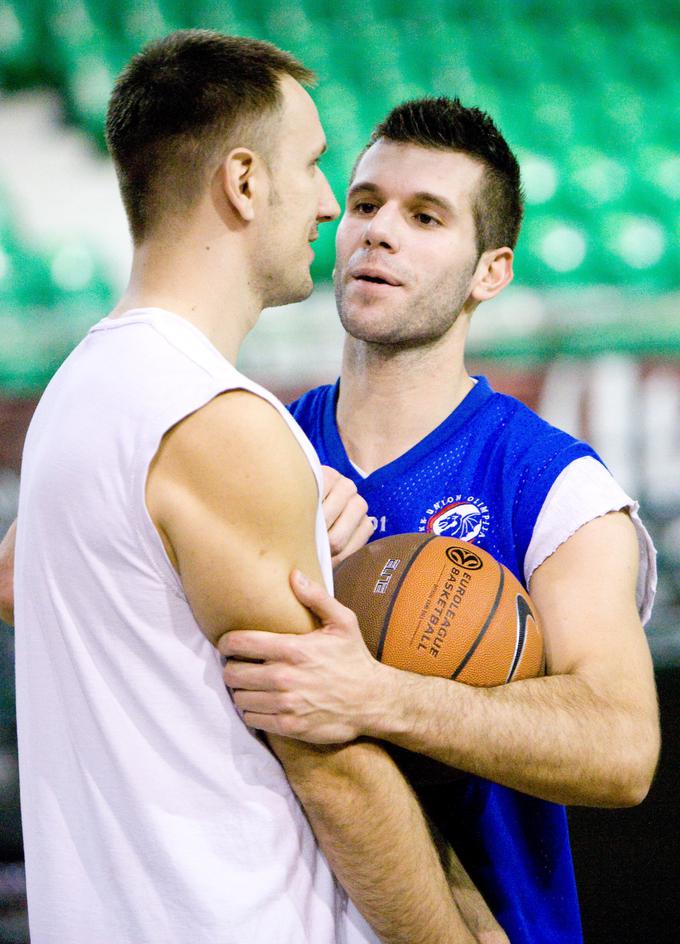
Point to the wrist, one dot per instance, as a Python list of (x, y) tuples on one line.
[(384, 714)]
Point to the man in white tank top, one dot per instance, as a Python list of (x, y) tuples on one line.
[(165, 501)]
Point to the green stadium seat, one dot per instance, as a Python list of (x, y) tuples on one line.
[(139, 22), (24, 275), (641, 250), (75, 273), (22, 39), (553, 250), (214, 14), (595, 178), (88, 87), (541, 176)]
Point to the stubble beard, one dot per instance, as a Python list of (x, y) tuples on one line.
[(418, 321), (284, 277)]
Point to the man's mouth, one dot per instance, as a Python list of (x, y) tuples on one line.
[(375, 277), (370, 278)]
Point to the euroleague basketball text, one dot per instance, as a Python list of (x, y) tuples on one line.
[(442, 612)]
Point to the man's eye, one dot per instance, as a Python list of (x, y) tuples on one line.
[(426, 219), (364, 208)]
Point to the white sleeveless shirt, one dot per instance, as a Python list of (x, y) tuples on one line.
[(151, 814)]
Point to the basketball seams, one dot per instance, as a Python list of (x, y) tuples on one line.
[(492, 612), (395, 595), (522, 613)]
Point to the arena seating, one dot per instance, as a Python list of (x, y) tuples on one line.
[(585, 91)]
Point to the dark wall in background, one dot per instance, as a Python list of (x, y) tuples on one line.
[(628, 861)]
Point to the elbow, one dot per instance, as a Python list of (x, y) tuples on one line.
[(631, 792), (629, 784), (639, 782)]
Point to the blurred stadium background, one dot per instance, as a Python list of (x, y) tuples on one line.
[(585, 90)]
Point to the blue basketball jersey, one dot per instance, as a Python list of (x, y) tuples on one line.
[(481, 476)]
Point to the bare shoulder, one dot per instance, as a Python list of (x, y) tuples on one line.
[(604, 548), (236, 448), (585, 595), (234, 500)]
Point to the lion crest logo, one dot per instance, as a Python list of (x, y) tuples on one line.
[(462, 517)]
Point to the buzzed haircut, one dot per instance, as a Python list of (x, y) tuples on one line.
[(446, 124), (176, 108)]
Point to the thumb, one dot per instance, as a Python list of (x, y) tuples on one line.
[(316, 598)]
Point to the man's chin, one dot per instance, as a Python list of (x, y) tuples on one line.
[(367, 333), (292, 293)]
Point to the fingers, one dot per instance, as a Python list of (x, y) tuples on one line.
[(265, 703), (246, 675), (357, 540), (330, 477), (256, 644), (339, 490), (345, 514), (317, 599)]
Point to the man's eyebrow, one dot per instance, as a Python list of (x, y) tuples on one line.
[(422, 196), (363, 187), (431, 198)]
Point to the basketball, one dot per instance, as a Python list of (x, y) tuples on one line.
[(439, 606)]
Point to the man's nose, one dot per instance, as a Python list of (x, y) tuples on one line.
[(381, 230), (329, 209)]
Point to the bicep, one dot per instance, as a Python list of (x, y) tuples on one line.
[(235, 499), (585, 595)]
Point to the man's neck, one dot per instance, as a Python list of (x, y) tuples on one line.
[(199, 282), (391, 399)]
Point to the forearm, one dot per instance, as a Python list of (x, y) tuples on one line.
[(474, 910), (556, 737), (7, 575), (372, 830)]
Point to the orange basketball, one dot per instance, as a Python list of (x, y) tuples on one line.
[(442, 607), (438, 606)]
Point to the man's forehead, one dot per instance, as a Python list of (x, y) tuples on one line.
[(409, 169), (299, 113)]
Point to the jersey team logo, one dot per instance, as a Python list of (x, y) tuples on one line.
[(461, 516)]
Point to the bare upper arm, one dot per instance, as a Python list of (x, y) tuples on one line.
[(585, 595), (234, 499)]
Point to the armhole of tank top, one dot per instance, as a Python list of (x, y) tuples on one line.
[(150, 539)]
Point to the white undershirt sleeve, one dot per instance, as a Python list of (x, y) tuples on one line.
[(585, 490)]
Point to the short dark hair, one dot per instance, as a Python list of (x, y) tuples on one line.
[(175, 107), (446, 124)]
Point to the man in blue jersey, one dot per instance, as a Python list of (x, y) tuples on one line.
[(430, 224)]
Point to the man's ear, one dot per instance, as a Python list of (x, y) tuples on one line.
[(493, 273), (242, 176)]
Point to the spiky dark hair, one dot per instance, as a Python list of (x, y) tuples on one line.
[(446, 124)]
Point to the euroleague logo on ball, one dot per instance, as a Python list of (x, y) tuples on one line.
[(468, 560), (457, 516)]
